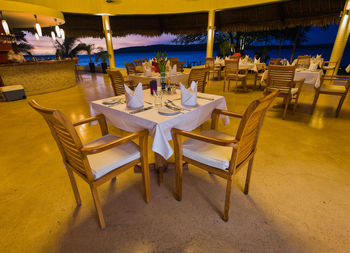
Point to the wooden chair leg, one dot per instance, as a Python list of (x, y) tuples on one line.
[(98, 206), (74, 186), (296, 102), (227, 199), (224, 83), (287, 99), (178, 165), (145, 167), (249, 172), (314, 102), (340, 105)]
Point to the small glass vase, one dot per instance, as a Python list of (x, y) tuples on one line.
[(162, 80)]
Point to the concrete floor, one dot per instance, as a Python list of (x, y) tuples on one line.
[(298, 202)]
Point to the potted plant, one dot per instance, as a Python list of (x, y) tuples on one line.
[(159, 65), (103, 56), (89, 48)]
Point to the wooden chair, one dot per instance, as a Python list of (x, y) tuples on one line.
[(173, 61), (275, 61), (210, 63), (235, 57), (328, 66), (118, 82), (233, 73), (138, 63), (180, 66), (144, 60), (282, 78), (130, 68), (333, 85), (100, 160), (303, 61), (260, 70), (220, 153), (198, 75)]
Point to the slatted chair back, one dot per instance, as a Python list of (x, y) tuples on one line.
[(260, 67), (248, 130), (275, 61), (144, 60), (66, 138), (209, 62), (303, 61), (235, 57), (117, 81), (173, 61), (180, 66), (281, 77), (138, 62), (232, 65), (130, 68), (198, 75)]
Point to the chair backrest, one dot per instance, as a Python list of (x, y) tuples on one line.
[(209, 62), (144, 60), (173, 61), (303, 61), (235, 57), (249, 127), (130, 68), (198, 75), (280, 77), (117, 81), (138, 62), (336, 80), (275, 61), (232, 65), (66, 138), (180, 66), (260, 67)]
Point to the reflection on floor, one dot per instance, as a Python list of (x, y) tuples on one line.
[(298, 202)]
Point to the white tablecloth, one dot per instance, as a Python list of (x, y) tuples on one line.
[(311, 77), (141, 78), (159, 126)]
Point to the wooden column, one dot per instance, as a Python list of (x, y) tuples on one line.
[(211, 32), (108, 37)]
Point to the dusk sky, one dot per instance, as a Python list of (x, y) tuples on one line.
[(45, 45)]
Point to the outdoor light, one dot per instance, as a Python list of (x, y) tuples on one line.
[(4, 24), (37, 26), (58, 30), (53, 35), (36, 36), (62, 34)]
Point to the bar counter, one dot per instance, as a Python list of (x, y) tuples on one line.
[(41, 76)]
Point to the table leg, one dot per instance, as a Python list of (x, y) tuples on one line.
[(160, 165)]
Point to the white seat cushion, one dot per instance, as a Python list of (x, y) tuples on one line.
[(106, 161), (210, 154), (333, 88)]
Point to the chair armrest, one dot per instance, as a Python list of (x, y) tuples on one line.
[(111, 144), (227, 113), (200, 137), (101, 121)]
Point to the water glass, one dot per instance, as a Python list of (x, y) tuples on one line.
[(173, 88), (158, 99)]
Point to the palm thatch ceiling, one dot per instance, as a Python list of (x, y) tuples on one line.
[(273, 16)]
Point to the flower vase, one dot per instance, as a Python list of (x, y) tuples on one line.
[(162, 80)]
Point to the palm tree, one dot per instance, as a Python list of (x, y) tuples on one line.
[(21, 45), (89, 48), (69, 47)]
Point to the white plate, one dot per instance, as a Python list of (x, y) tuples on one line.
[(167, 111), (111, 101)]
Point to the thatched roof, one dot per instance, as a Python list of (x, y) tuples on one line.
[(255, 18)]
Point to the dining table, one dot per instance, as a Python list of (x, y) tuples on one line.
[(159, 125), (177, 78)]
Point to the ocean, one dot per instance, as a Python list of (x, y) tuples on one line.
[(194, 58)]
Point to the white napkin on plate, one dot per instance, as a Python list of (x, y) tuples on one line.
[(147, 70), (313, 66), (173, 70), (189, 96), (256, 61), (134, 99)]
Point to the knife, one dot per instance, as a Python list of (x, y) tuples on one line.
[(211, 99), (141, 110)]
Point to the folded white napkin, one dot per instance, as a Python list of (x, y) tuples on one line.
[(134, 99), (256, 61), (173, 70), (189, 96), (347, 68), (313, 66)]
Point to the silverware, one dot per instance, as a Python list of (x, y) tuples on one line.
[(211, 99), (141, 110), (148, 102), (178, 107)]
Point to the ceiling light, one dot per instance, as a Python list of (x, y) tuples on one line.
[(37, 26), (36, 36), (53, 35), (4, 24), (62, 34)]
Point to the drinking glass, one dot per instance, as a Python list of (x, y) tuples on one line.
[(158, 99)]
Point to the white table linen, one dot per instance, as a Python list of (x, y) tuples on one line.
[(311, 77), (142, 78), (159, 126)]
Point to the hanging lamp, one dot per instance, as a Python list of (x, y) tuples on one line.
[(37, 26)]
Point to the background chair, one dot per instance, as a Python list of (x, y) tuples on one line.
[(275, 61), (173, 61), (333, 85), (233, 73), (130, 68), (198, 75), (97, 161), (303, 61), (329, 65), (210, 63), (260, 70), (118, 82), (144, 60), (138, 63), (282, 78), (180, 66), (220, 153)]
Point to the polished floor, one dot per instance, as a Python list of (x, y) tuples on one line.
[(299, 198)]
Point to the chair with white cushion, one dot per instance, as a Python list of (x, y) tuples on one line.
[(97, 161), (282, 78), (333, 85), (220, 153)]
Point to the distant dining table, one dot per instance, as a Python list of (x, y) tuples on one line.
[(158, 125), (311, 77), (179, 77)]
